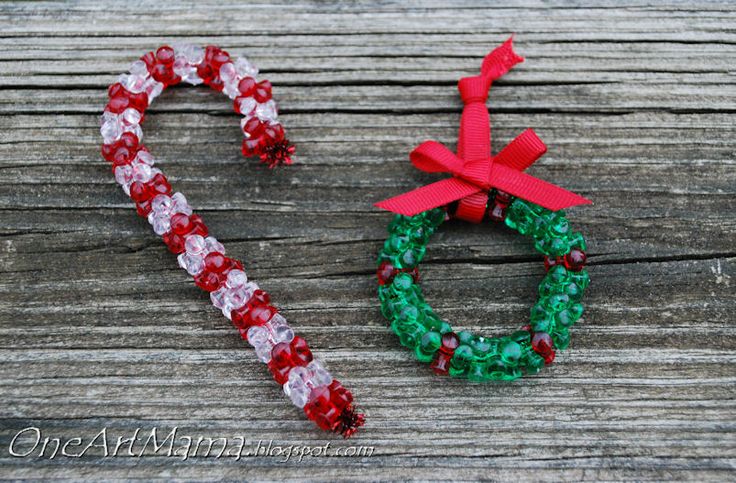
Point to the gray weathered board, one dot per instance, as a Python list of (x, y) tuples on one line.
[(100, 329)]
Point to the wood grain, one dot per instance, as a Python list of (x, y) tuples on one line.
[(99, 328)]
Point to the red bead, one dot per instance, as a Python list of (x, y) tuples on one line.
[(174, 242), (260, 314), (339, 396), (386, 272), (543, 345), (253, 127), (450, 342), (207, 281), (322, 410), (441, 364), (274, 132), (159, 185), (252, 146), (143, 208), (138, 191), (180, 224), (497, 213), (215, 262), (262, 91), (575, 260), (261, 297), (551, 262), (247, 86), (165, 55), (149, 58)]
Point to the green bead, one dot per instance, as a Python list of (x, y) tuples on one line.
[(510, 352), (538, 312), (559, 227), (534, 363), (521, 337), (558, 275), (482, 347), (576, 311), (465, 337), (547, 288), (561, 338), (477, 371), (577, 241), (462, 356), (565, 318), (409, 333), (543, 325), (581, 279), (574, 292), (558, 302), (435, 217), (402, 282), (496, 369), (431, 341)]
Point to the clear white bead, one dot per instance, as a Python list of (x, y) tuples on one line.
[(179, 204), (142, 173), (124, 175), (236, 298), (244, 68), (193, 264), (160, 203), (195, 245), (297, 387), (218, 297), (235, 278), (192, 54), (135, 129), (213, 245), (319, 375), (231, 90), (153, 89), (258, 337), (144, 157), (139, 68), (267, 111), (131, 117), (134, 83), (110, 129), (228, 74), (188, 73), (280, 329), (246, 105), (160, 223)]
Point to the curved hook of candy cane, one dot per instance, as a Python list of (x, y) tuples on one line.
[(304, 379)]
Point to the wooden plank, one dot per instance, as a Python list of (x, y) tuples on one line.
[(99, 328)]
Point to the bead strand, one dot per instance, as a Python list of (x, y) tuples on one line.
[(304, 379)]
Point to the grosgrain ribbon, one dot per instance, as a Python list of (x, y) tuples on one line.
[(475, 171)]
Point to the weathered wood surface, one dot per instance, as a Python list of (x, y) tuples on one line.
[(99, 328)]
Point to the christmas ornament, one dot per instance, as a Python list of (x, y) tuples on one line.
[(524, 203), (304, 379)]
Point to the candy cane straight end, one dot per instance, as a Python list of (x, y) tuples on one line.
[(304, 379)]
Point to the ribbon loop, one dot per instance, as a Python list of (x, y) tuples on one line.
[(475, 171)]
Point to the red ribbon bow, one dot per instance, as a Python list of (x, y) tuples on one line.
[(475, 171)]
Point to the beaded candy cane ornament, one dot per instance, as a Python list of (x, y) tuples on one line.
[(304, 379)]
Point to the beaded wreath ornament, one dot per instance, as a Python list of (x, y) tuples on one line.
[(524, 203), (304, 379)]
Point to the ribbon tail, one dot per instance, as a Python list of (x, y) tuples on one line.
[(522, 152), (533, 189), (427, 197), (500, 60)]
